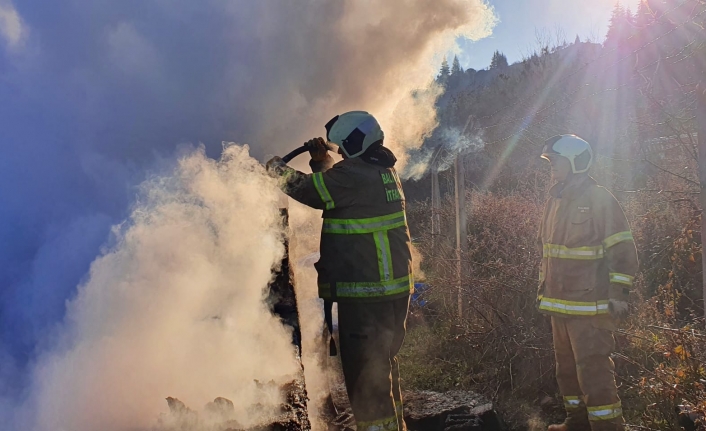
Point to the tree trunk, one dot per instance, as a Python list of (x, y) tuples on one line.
[(701, 136), (435, 205), (461, 231)]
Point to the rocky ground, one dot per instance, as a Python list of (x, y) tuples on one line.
[(429, 411)]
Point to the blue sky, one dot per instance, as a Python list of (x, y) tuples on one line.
[(514, 34)]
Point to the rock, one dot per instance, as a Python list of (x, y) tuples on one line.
[(482, 409), (180, 414), (176, 406), (221, 410), (449, 411), (219, 415), (221, 405), (462, 422)]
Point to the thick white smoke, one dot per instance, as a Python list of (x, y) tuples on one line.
[(305, 228), (175, 307), (96, 93)]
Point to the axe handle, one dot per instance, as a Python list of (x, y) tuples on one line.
[(294, 153), (303, 149)]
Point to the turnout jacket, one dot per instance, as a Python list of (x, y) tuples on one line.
[(588, 252), (365, 243)]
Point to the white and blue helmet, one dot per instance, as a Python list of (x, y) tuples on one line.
[(354, 132), (573, 148)]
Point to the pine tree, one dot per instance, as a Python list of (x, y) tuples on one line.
[(498, 61), (643, 16), (445, 71), (618, 26), (456, 67), (577, 40)]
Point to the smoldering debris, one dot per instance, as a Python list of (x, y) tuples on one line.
[(202, 242), (220, 414), (282, 407)]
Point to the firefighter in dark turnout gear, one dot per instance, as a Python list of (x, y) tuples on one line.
[(588, 265), (365, 262)]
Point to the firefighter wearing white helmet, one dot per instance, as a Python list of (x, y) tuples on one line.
[(588, 265), (577, 151), (365, 262), (354, 132)]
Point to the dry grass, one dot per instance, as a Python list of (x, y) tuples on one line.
[(501, 346)]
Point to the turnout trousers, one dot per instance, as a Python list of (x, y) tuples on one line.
[(586, 373), (371, 335)]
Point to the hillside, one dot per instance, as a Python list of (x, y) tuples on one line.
[(637, 98)]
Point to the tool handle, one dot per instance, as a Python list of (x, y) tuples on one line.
[(294, 153)]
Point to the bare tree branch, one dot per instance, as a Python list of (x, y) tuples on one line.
[(689, 180)]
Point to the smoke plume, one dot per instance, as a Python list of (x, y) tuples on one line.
[(447, 144), (95, 97), (456, 142), (175, 306)]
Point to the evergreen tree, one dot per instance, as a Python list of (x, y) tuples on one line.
[(618, 27), (445, 71), (577, 40), (643, 16), (498, 61), (456, 67)]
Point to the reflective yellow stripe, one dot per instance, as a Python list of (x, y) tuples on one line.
[(322, 190), (364, 225), (604, 413), (616, 277), (382, 246), (572, 402), (575, 308), (617, 238), (580, 253), (368, 289), (386, 244), (386, 424), (382, 260)]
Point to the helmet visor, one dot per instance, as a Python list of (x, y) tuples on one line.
[(548, 150), (328, 127)]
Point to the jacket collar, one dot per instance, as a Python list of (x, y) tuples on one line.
[(572, 188)]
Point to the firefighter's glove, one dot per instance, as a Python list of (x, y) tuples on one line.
[(317, 149), (618, 303), (275, 167), (618, 309)]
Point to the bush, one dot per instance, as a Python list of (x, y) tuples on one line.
[(501, 346)]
